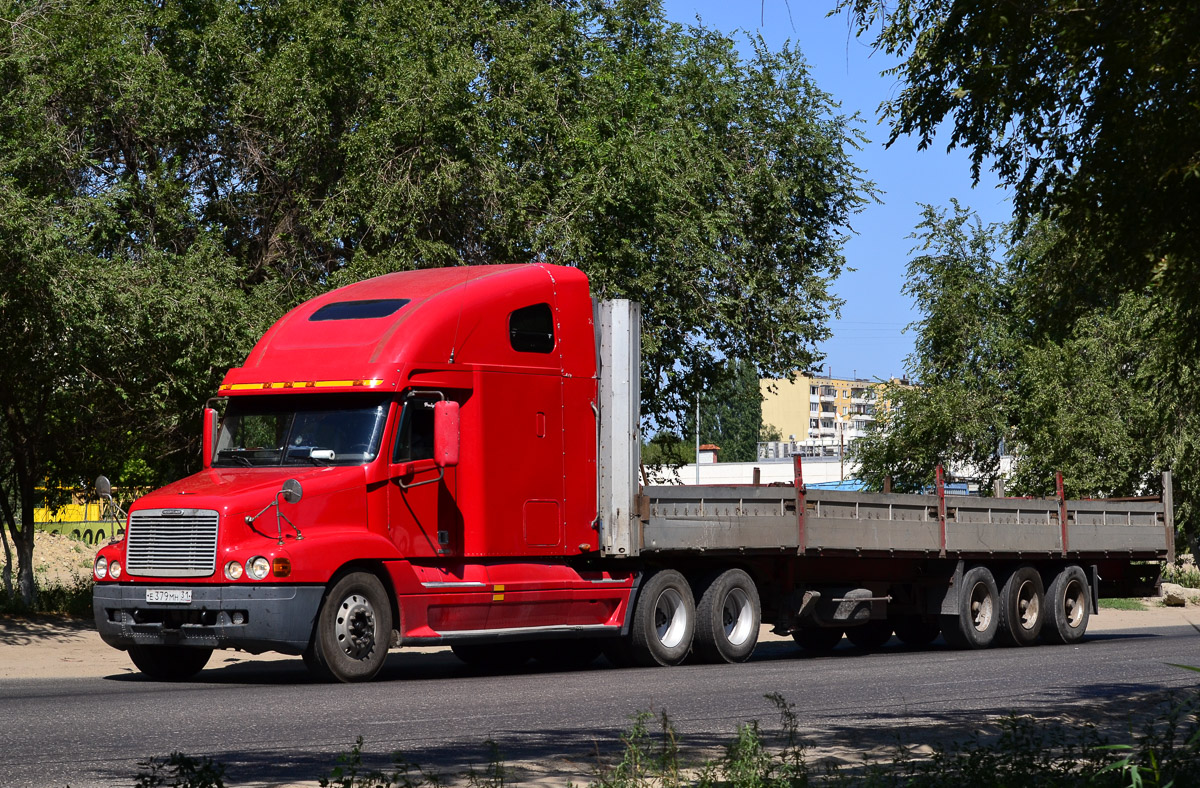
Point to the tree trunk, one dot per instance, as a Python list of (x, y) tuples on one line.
[(7, 523), (7, 574), (23, 538)]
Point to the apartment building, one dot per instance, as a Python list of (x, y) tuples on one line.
[(820, 411)]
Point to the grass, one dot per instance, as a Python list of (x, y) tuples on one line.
[(1120, 603), (1014, 751), (73, 600)]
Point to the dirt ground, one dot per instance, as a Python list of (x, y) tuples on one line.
[(58, 560)]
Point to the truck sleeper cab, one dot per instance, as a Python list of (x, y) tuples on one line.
[(450, 456)]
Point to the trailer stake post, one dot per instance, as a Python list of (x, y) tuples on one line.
[(801, 504)]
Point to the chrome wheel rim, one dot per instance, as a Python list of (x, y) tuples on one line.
[(1074, 604), (1029, 608), (355, 627), (670, 618), (982, 607), (737, 617)]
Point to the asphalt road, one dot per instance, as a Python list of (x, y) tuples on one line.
[(271, 725)]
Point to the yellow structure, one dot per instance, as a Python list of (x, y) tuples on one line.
[(818, 410)]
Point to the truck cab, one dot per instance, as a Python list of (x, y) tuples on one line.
[(426, 439)]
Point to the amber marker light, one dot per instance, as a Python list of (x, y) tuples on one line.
[(282, 567)]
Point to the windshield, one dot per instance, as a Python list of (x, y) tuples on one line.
[(300, 430)]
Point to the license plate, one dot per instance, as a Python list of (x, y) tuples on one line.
[(169, 596)]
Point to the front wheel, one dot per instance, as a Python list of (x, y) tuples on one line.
[(354, 628), (664, 621), (169, 663)]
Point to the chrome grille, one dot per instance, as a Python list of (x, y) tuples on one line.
[(172, 543)]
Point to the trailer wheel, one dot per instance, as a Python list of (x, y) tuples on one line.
[(728, 616), (871, 635), (916, 631), (1022, 602), (169, 663), (977, 620), (818, 640), (664, 621), (354, 627), (1067, 606)]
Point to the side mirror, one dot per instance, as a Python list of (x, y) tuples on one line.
[(209, 441), (103, 487), (446, 434), (291, 492)]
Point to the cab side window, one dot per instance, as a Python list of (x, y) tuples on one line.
[(414, 439), (531, 330)]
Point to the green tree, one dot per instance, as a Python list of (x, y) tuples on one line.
[(1086, 109), (962, 362), (177, 175)]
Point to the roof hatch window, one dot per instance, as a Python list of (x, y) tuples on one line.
[(359, 310), (531, 330)]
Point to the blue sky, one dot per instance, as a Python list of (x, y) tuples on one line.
[(869, 339)]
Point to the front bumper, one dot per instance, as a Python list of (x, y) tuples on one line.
[(272, 618)]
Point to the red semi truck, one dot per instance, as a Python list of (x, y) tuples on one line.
[(451, 456)]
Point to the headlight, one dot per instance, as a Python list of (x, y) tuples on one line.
[(114, 569), (233, 570), (258, 567), (101, 567)]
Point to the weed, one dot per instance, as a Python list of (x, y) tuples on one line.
[(183, 771), (405, 774), (1186, 576)]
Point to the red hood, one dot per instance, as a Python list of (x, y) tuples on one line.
[(236, 490)]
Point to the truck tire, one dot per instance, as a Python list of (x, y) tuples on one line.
[(818, 640), (354, 628), (977, 621), (1068, 606), (169, 663), (872, 635), (916, 631), (1022, 606), (663, 621), (728, 616)]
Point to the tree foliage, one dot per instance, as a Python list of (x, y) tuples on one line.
[(1086, 108), (176, 175), (1109, 403)]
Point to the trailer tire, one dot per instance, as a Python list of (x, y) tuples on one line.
[(818, 640), (1022, 607), (354, 629), (872, 635), (169, 663), (916, 631), (663, 621), (728, 617), (977, 621), (1067, 607)]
